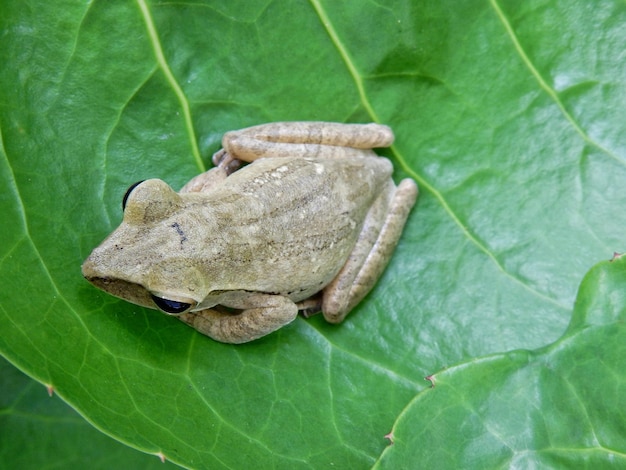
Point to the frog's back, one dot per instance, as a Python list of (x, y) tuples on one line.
[(278, 213), (300, 193)]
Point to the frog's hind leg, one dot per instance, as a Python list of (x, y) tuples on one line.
[(307, 139), (380, 234)]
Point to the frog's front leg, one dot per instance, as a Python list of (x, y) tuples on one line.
[(309, 139), (260, 315), (372, 252)]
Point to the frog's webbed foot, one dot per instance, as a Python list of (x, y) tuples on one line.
[(245, 325)]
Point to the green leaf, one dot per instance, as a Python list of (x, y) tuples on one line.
[(510, 115), (562, 406), (39, 431)]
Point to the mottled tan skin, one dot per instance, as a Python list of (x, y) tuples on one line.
[(309, 225)]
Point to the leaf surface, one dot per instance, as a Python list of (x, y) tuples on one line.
[(510, 116)]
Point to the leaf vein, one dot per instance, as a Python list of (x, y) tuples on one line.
[(345, 56), (169, 76), (543, 84)]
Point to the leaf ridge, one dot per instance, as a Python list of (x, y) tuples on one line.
[(169, 76)]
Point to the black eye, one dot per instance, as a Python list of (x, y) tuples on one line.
[(172, 307), (128, 191)]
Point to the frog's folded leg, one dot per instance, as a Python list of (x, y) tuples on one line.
[(246, 325), (306, 138)]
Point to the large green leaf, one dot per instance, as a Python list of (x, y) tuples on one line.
[(510, 115)]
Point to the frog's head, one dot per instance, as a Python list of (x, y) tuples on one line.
[(149, 259)]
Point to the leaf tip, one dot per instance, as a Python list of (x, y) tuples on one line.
[(50, 389), (389, 436), (161, 456)]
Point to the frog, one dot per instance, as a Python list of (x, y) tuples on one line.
[(295, 217)]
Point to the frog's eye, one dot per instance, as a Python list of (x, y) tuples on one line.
[(172, 307), (128, 191)]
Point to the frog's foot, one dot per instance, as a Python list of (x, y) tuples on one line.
[(225, 164), (310, 307), (204, 182), (223, 159), (245, 325), (380, 234)]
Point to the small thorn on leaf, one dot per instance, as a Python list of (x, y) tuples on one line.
[(390, 437), (50, 389), (161, 456), (431, 379), (616, 255)]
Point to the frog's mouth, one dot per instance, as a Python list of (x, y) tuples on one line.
[(125, 290)]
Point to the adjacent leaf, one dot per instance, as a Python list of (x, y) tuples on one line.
[(510, 115), (559, 407)]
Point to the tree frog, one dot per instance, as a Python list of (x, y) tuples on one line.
[(309, 224)]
